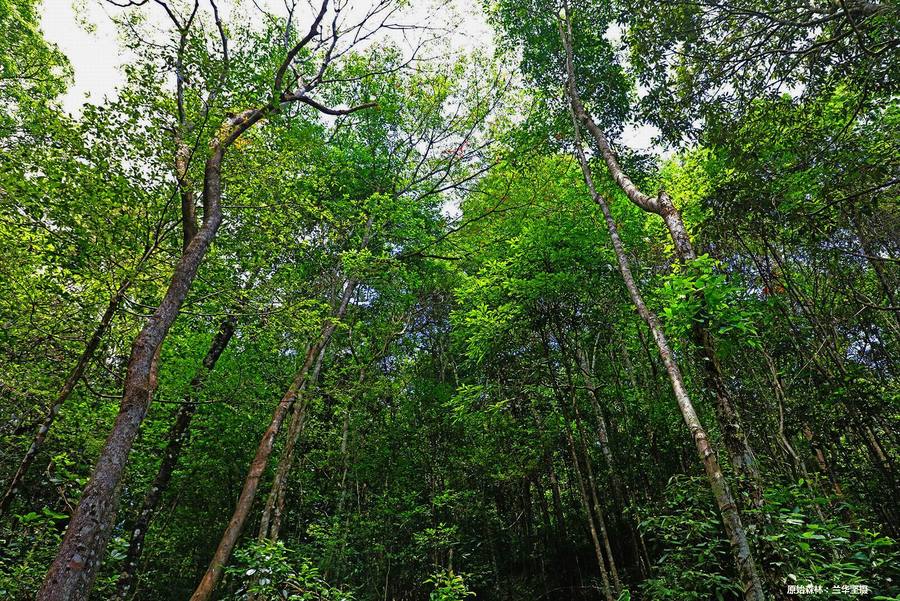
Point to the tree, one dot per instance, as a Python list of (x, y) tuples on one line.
[(80, 554), (431, 347)]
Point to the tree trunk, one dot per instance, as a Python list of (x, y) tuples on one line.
[(68, 386), (557, 501), (740, 452), (72, 572), (586, 504), (235, 526), (602, 428), (188, 205), (582, 487), (177, 434), (598, 509), (270, 524), (743, 459), (731, 518)]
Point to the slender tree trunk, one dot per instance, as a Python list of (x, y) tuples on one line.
[(743, 459), (338, 550), (582, 487), (188, 203), (72, 572), (270, 524), (177, 434), (784, 442), (879, 455), (271, 515), (68, 386), (602, 428), (731, 517), (586, 504), (557, 501), (877, 266), (598, 509), (740, 452), (235, 526)]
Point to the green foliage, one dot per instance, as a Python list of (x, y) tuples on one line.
[(693, 554), (269, 571), (32, 71), (490, 367), (28, 544), (448, 586), (699, 293), (707, 62), (801, 538), (810, 543)]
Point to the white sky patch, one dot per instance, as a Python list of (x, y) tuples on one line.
[(84, 31), (640, 137), (96, 56)]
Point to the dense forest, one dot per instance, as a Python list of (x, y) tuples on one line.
[(318, 305)]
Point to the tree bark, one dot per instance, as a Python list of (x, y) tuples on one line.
[(582, 487), (177, 435), (746, 566), (68, 386), (270, 523), (235, 526), (72, 572), (739, 450)]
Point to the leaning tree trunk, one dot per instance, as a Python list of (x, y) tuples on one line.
[(235, 526), (68, 386), (739, 450), (72, 572), (270, 523), (177, 434), (731, 517)]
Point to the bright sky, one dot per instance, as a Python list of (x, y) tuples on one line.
[(83, 30), (95, 57)]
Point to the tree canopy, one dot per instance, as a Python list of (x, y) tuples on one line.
[(317, 305)]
